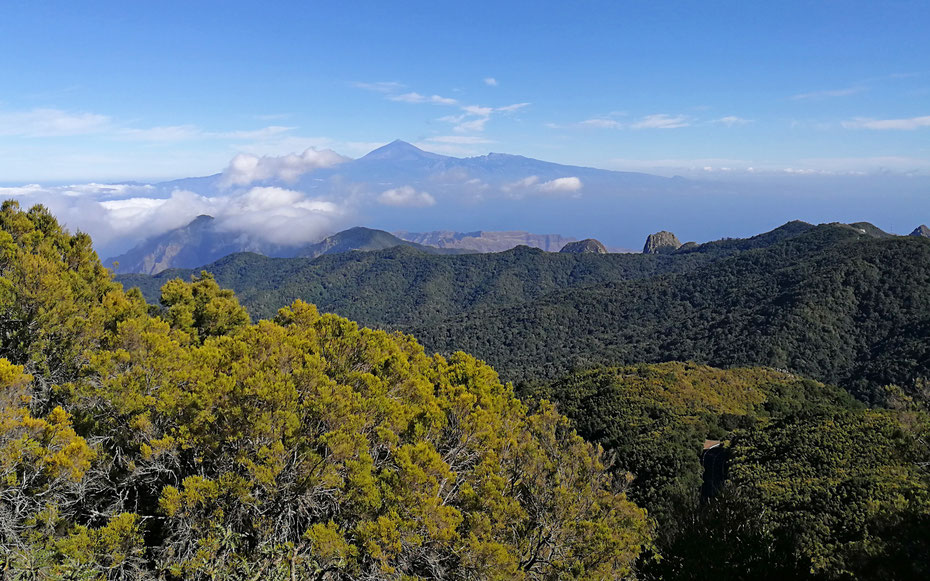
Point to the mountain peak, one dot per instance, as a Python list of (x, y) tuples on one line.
[(399, 150), (921, 231)]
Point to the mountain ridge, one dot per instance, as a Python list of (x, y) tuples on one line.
[(200, 242), (828, 303)]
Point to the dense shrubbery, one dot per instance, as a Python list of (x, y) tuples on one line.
[(194, 444), (817, 486)]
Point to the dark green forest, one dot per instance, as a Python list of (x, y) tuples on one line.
[(181, 438), (401, 286), (817, 486), (831, 303)]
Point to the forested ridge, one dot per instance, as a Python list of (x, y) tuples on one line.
[(180, 440), (831, 303), (401, 287)]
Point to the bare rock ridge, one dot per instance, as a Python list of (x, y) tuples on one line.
[(921, 231), (586, 246), (485, 241), (661, 243)]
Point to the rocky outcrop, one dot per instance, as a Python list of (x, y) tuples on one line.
[(586, 246), (921, 231), (662, 242)]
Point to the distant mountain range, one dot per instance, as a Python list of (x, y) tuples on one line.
[(204, 241), (399, 187), (262, 202), (487, 241), (452, 179)]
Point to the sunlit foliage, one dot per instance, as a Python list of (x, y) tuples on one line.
[(189, 443)]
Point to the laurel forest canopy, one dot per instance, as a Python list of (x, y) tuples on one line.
[(186, 442)]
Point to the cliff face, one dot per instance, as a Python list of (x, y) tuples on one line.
[(586, 246), (661, 243), (483, 241)]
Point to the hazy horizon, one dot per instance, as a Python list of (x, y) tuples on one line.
[(811, 111)]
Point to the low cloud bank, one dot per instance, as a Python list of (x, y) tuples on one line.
[(246, 169), (406, 196), (270, 214)]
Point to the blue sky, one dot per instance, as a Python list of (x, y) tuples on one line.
[(132, 90)]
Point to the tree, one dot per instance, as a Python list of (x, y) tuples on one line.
[(192, 444)]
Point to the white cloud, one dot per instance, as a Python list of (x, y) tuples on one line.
[(478, 110), (406, 196), (600, 123), (560, 185), (473, 125), (475, 117), (908, 124), (526, 182), (731, 121), (662, 121), (381, 87), (137, 216), (418, 98), (245, 169), (532, 185), (190, 132), (813, 166), (165, 133), (511, 108), (279, 215), (263, 214), (828, 94), (51, 123), (256, 134), (143, 217)]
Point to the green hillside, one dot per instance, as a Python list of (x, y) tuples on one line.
[(801, 482), (400, 287), (832, 303)]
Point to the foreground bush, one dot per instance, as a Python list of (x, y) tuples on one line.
[(189, 443)]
